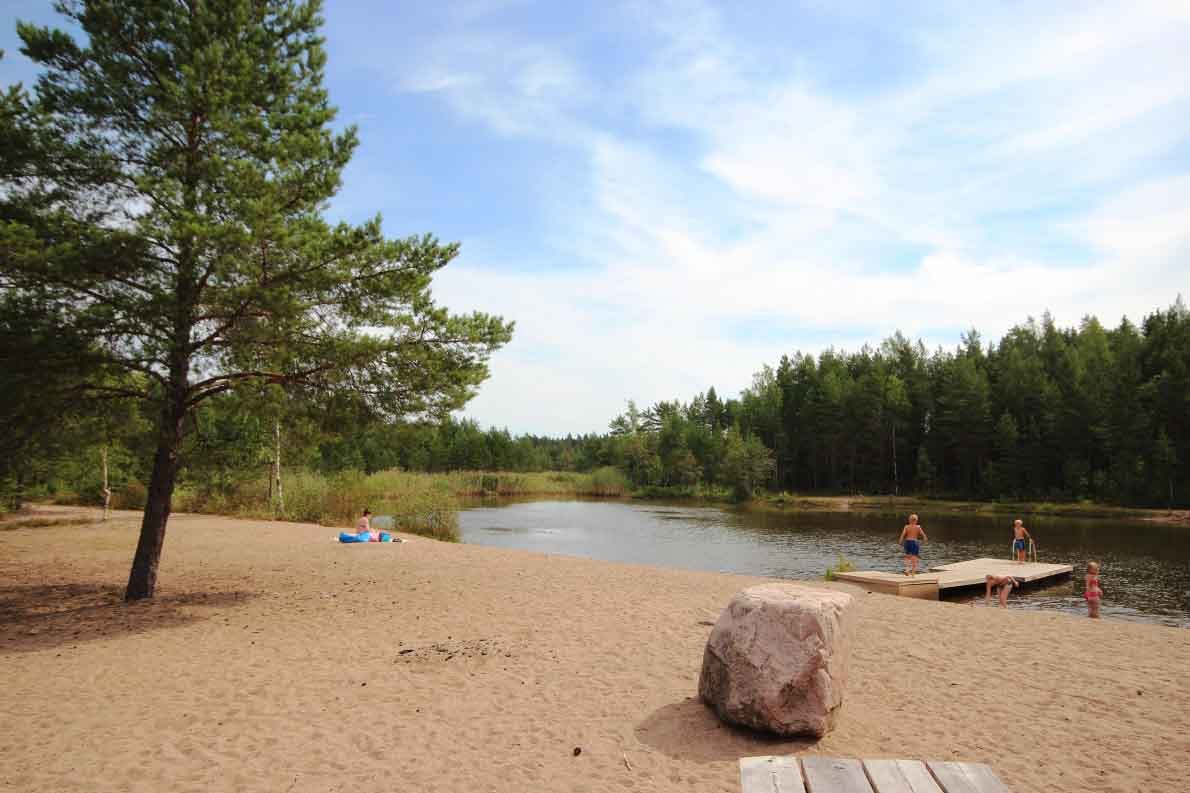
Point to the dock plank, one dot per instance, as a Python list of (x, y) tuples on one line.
[(966, 777), (973, 572), (923, 585), (771, 775), (900, 776), (834, 775), (957, 575)]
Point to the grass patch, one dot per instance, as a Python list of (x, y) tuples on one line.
[(680, 492), (844, 565), (903, 505), (607, 482), (42, 523)]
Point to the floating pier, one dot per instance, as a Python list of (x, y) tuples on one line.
[(946, 579)]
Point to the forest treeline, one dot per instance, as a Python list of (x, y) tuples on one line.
[(1044, 413)]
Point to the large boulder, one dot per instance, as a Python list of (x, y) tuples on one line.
[(777, 659)]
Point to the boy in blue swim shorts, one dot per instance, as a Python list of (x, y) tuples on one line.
[(1020, 538), (912, 536)]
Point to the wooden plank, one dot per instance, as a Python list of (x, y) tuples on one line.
[(966, 778), (833, 775), (974, 571), (770, 775), (970, 573), (923, 586), (985, 778), (900, 776)]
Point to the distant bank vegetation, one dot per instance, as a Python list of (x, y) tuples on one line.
[(1077, 421), (420, 503)]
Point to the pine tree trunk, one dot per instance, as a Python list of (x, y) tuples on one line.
[(277, 464), (18, 492), (143, 578), (107, 491)]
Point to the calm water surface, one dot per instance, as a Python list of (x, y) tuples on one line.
[(1145, 566)]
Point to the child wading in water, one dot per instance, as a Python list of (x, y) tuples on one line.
[(1092, 591), (1004, 583), (912, 536), (1020, 538)]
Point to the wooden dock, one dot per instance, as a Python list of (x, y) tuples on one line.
[(948, 578), (814, 774)]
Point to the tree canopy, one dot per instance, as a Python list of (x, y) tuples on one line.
[(164, 223)]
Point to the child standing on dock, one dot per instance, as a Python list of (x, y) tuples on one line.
[(1020, 538), (1091, 591), (912, 536)]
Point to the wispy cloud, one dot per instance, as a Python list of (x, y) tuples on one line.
[(515, 87), (731, 205)]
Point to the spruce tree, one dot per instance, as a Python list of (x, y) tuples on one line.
[(189, 152)]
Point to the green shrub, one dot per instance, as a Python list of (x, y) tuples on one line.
[(844, 565), (133, 495), (607, 481)]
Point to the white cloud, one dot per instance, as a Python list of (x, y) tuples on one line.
[(795, 209), (1150, 220), (513, 86)]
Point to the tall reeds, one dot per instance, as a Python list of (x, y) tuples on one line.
[(603, 482), (418, 503)]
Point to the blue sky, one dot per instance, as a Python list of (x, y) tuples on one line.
[(667, 195)]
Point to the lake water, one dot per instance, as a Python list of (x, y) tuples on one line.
[(1145, 566)]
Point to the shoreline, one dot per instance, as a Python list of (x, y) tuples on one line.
[(900, 505), (891, 506), (276, 659), (885, 506)]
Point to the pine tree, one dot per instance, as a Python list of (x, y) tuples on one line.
[(191, 151)]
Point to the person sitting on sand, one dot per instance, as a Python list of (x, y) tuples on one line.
[(1092, 592), (1006, 583), (364, 523), (1019, 535), (912, 536)]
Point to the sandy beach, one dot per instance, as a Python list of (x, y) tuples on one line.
[(274, 659)]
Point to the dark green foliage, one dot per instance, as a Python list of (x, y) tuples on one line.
[(1048, 413), (747, 464), (1045, 414)]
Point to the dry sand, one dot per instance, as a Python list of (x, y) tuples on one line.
[(274, 659)]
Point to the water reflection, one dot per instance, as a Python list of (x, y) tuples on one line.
[(1146, 566)]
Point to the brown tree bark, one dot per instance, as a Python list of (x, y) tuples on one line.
[(277, 465), (143, 578)]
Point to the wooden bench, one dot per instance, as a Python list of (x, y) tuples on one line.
[(814, 774)]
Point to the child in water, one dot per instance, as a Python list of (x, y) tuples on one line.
[(1004, 583), (1020, 537), (912, 536), (1092, 592)]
